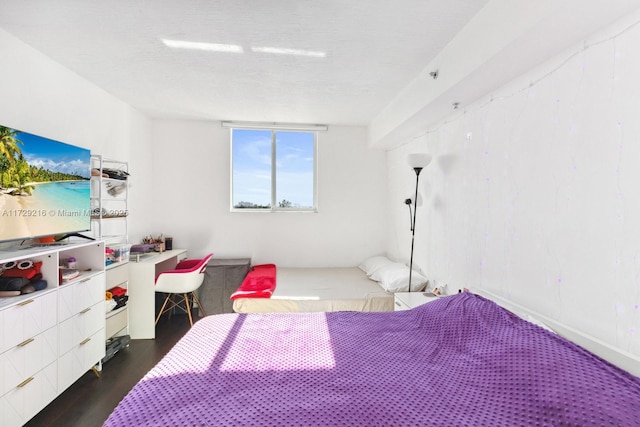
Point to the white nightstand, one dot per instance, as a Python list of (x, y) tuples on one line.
[(409, 300)]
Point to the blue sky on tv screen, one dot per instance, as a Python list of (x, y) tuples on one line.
[(54, 155)]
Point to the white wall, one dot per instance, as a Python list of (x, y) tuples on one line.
[(191, 191), (505, 39), (534, 193), (42, 97)]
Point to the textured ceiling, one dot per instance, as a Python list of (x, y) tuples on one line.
[(340, 62)]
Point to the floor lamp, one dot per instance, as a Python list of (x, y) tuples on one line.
[(417, 161)]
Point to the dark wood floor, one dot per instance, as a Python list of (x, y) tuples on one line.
[(90, 400)]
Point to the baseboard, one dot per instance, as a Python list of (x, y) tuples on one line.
[(616, 356)]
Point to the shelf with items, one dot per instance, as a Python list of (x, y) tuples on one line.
[(109, 219), (117, 285), (41, 277), (109, 199)]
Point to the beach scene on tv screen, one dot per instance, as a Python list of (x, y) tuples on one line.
[(44, 186)]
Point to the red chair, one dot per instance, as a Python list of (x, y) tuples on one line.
[(180, 285)]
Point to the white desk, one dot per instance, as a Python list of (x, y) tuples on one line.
[(142, 293)]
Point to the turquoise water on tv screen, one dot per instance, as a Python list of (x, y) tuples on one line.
[(73, 196)]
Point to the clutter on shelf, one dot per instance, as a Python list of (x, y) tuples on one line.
[(111, 173), (115, 298), (143, 248), (21, 277), (158, 241), (67, 274), (116, 188), (69, 263), (114, 345), (117, 253)]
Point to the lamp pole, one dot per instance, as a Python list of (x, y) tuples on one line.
[(413, 224), (417, 161)]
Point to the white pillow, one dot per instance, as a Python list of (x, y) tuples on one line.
[(373, 264), (394, 277)]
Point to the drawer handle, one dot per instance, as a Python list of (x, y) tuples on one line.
[(85, 310), (84, 341), (23, 303), (398, 304), (25, 382), (85, 280), (25, 342)]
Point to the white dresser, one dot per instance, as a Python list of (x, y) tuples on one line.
[(50, 338)]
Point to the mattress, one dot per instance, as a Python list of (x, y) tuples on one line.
[(320, 289), (458, 361)]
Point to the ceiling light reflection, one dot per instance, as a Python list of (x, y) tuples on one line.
[(284, 51), (210, 47)]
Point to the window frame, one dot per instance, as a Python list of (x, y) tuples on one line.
[(273, 199)]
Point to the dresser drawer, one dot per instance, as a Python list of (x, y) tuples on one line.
[(77, 296), (25, 359), (399, 305), (81, 326), (116, 276), (80, 359), (22, 402), (116, 322), (27, 319)]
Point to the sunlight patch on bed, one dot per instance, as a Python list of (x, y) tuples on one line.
[(297, 297), (288, 343)]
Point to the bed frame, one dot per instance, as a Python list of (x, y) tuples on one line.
[(320, 289)]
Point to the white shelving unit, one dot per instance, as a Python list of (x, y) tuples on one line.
[(109, 201), (109, 222)]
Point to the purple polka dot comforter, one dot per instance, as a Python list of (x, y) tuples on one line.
[(458, 361)]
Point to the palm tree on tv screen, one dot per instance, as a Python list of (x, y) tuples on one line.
[(14, 170), (9, 144)]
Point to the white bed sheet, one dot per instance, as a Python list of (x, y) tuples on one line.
[(320, 289)]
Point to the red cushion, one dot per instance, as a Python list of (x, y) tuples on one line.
[(260, 282), (187, 264)]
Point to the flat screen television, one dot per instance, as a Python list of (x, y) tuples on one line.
[(44, 187)]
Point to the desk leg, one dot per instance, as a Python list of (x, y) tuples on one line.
[(142, 301)]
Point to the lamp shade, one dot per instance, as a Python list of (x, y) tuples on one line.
[(418, 160)]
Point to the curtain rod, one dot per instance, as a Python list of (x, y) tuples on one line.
[(273, 125)]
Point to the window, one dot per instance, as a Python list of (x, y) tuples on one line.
[(273, 170)]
